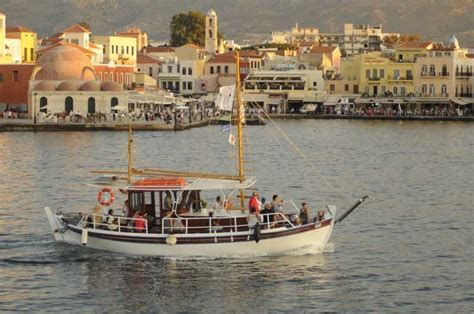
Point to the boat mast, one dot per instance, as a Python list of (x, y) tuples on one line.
[(130, 140), (240, 148)]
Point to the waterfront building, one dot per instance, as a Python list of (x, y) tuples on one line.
[(118, 73), (170, 76), (192, 60), (28, 42), (162, 53), (220, 70), (13, 48), (361, 38), (445, 71), (119, 49), (148, 66), (327, 59), (135, 32), (14, 80), (64, 80), (283, 91), (255, 59), (4, 57)]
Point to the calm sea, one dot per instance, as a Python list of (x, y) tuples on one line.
[(409, 248)]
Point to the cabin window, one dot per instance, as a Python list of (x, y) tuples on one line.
[(136, 201)]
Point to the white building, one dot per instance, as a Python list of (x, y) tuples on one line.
[(13, 48)]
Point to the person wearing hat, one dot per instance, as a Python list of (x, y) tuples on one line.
[(254, 204), (304, 213)]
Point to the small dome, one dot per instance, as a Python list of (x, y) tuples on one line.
[(111, 87), (90, 86), (68, 86), (453, 42), (45, 86), (211, 12)]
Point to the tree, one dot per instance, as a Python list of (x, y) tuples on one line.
[(392, 41), (86, 25), (188, 28)]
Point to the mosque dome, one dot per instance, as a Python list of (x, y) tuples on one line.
[(45, 86), (68, 86), (453, 42), (211, 12), (64, 62), (90, 86), (111, 87)]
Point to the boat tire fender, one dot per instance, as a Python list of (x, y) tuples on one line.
[(257, 232)]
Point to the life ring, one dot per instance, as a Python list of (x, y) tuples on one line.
[(106, 200)]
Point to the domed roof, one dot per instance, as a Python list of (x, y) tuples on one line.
[(64, 62), (90, 86), (453, 41), (111, 87), (68, 86), (211, 12), (45, 86)]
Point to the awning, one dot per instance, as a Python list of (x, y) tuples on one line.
[(332, 100), (462, 101)]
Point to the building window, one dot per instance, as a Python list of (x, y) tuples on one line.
[(25, 51), (68, 105), (226, 69), (190, 71), (190, 85), (91, 105), (396, 74), (133, 51), (218, 69), (432, 90), (382, 73), (444, 70), (432, 70), (15, 76), (43, 104), (184, 85), (163, 85), (374, 73), (183, 71), (176, 85), (367, 74), (32, 54), (114, 102), (1, 77), (424, 89), (395, 90), (444, 90), (122, 49), (332, 87), (403, 90), (424, 69), (346, 87), (127, 50), (170, 68), (113, 49), (212, 70), (150, 71)]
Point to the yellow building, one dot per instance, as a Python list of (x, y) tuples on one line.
[(120, 50), (28, 40)]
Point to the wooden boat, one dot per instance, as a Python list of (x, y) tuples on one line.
[(167, 216)]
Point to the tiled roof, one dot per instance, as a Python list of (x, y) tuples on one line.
[(322, 49), (92, 45), (157, 49), (227, 57), (416, 45), (17, 29), (142, 59), (307, 44), (76, 28), (250, 54)]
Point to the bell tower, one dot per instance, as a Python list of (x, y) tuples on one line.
[(211, 46)]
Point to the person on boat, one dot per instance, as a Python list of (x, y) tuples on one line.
[(320, 216), (219, 204), (168, 203), (139, 222), (267, 212), (277, 203), (304, 213), (254, 204), (111, 221), (126, 208)]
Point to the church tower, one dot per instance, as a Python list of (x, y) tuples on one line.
[(211, 45)]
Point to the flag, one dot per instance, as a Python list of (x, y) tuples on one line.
[(225, 128), (225, 98), (231, 139)]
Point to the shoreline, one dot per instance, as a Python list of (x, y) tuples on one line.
[(28, 126)]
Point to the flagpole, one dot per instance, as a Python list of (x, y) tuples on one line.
[(240, 147)]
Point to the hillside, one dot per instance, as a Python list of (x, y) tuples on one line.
[(250, 19)]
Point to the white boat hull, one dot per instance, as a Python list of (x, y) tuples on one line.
[(273, 242)]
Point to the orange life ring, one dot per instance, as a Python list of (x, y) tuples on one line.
[(106, 200)]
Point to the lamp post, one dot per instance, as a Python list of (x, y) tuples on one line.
[(34, 108)]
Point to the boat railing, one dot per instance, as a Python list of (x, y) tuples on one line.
[(118, 224), (213, 224)]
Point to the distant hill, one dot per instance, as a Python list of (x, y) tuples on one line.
[(250, 19)]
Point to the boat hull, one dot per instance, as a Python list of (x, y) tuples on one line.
[(239, 244)]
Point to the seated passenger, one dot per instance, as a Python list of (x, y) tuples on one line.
[(268, 213), (139, 222), (304, 213), (219, 204), (111, 221), (320, 216)]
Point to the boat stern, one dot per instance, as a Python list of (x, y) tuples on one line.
[(55, 223)]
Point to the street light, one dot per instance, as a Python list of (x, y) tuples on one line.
[(34, 108)]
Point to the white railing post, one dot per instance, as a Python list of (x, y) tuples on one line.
[(235, 224), (118, 222), (210, 225)]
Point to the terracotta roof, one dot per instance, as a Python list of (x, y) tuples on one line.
[(307, 44), (470, 55), (157, 49), (227, 57), (92, 45), (416, 45), (322, 49), (83, 50), (142, 59), (250, 54), (10, 35), (76, 29), (17, 29), (57, 35)]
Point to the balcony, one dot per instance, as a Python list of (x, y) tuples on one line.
[(463, 74), (434, 74), (373, 80), (408, 79)]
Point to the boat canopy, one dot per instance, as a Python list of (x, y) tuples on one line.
[(171, 183)]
